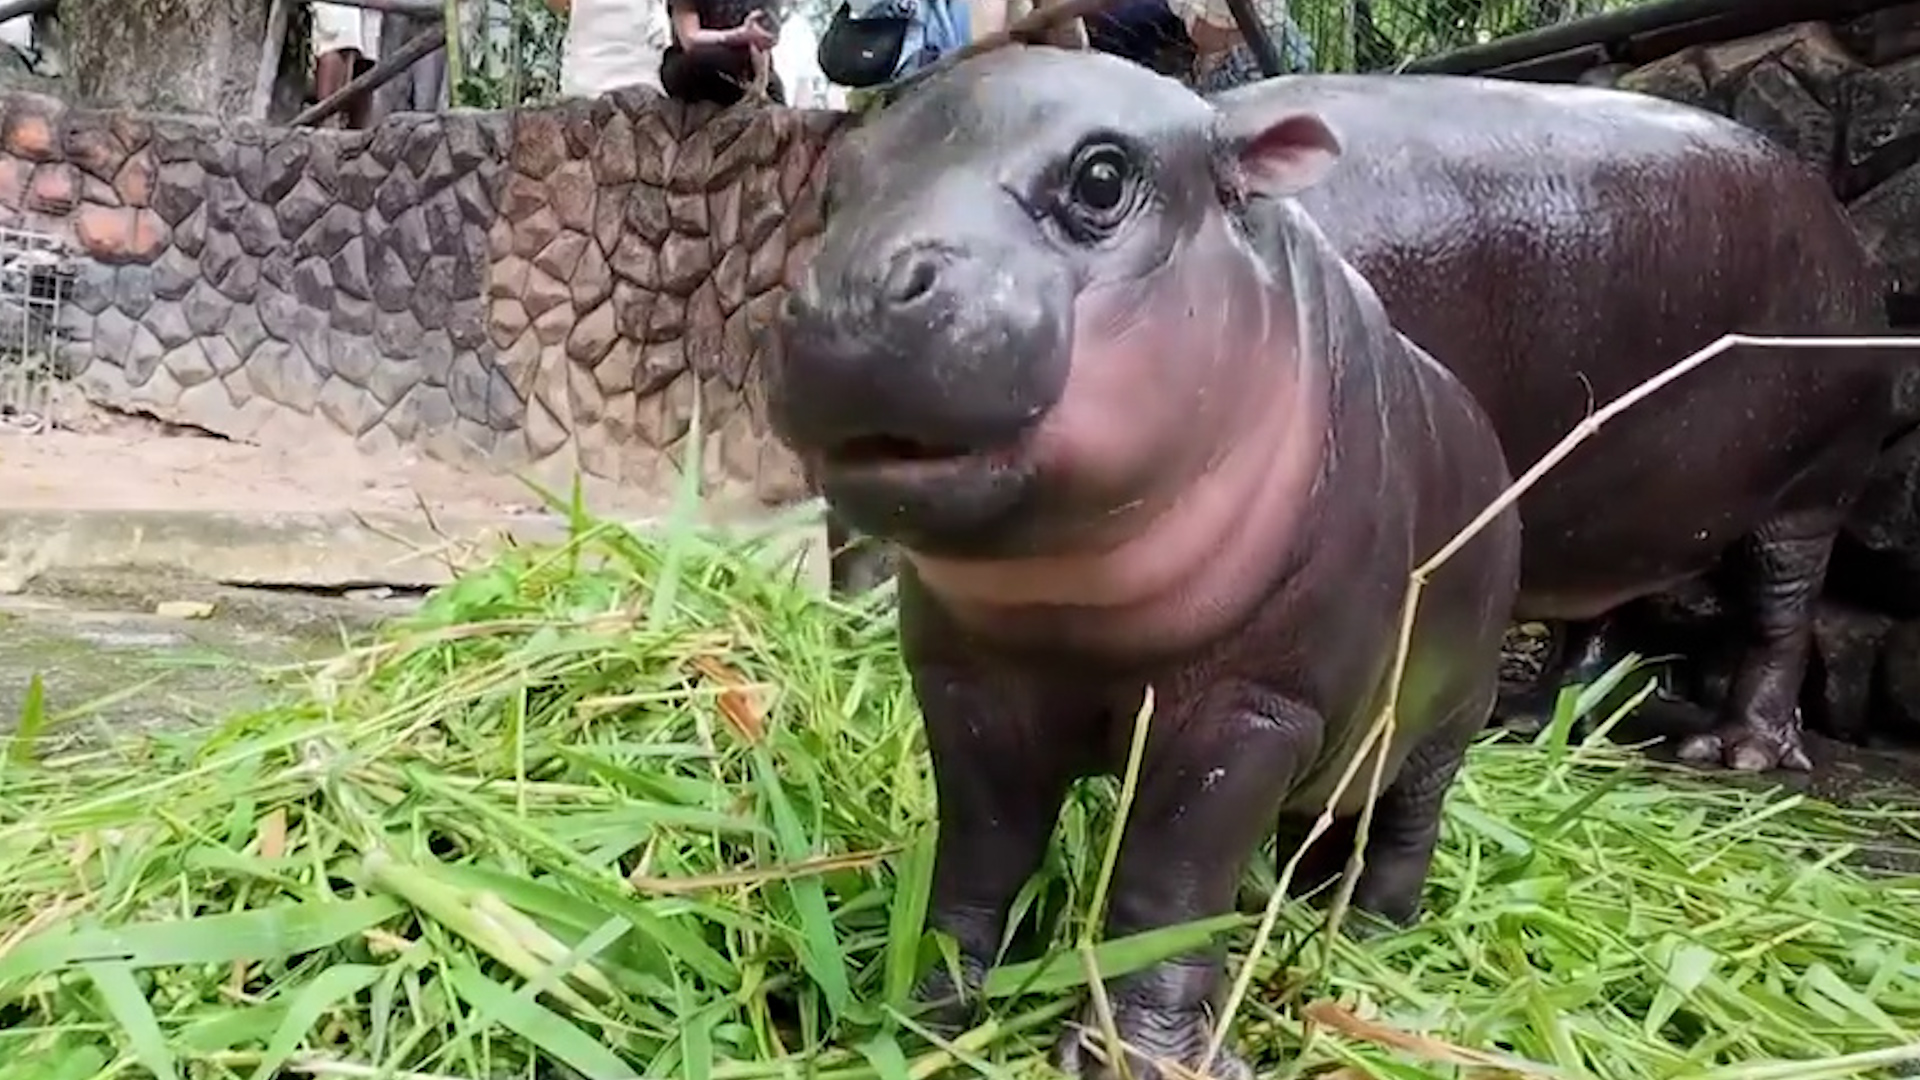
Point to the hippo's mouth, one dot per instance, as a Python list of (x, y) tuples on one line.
[(954, 498), (903, 457)]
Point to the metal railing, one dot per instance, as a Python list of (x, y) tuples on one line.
[(36, 276)]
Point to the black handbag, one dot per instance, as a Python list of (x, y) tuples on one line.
[(860, 53)]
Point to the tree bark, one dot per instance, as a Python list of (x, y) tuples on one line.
[(187, 56)]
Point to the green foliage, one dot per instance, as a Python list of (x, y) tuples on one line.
[(643, 805), (1377, 35), (511, 58)]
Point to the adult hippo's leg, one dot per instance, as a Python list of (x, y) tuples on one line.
[(1585, 652), (1784, 564)]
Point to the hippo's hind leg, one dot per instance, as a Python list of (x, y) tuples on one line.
[(1401, 840), (1782, 566), (1406, 821)]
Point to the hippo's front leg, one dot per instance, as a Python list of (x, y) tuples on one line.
[(1785, 563), (1214, 776), (1005, 751)]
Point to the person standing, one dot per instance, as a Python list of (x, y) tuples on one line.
[(1224, 59), (423, 86), (345, 42), (611, 44)]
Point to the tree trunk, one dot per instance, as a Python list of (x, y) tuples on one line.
[(186, 56)]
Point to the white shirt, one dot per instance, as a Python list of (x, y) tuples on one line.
[(337, 26), (613, 43)]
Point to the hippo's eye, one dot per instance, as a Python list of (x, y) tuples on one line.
[(1100, 188)]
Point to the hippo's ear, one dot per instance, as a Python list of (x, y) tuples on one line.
[(1276, 154)]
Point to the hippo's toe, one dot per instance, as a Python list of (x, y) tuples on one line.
[(1749, 748), (1152, 1036)]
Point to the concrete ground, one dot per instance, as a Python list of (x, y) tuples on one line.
[(106, 532), (122, 651)]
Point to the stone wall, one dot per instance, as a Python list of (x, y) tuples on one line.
[(1844, 96), (549, 289)]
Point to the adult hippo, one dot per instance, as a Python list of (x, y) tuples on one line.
[(1557, 245), (1128, 435)]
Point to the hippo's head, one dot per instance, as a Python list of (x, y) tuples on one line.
[(1034, 314)]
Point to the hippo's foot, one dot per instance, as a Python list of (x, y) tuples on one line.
[(950, 1008), (1750, 747), (1151, 1036)]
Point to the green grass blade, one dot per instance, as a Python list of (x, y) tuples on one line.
[(906, 916), (1063, 969), (820, 945), (281, 930), (129, 1007), (32, 723), (539, 1025), (313, 1001)]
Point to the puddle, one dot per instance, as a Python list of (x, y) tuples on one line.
[(110, 666)]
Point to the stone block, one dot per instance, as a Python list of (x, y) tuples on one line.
[(1888, 221)]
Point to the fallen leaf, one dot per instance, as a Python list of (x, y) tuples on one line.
[(736, 702), (183, 609)]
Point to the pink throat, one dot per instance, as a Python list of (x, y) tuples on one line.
[(1193, 561)]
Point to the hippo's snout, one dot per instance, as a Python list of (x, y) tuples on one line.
[(909, 373)]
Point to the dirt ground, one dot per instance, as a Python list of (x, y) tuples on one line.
[(140, 465)]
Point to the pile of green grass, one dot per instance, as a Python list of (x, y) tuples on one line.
[(632, 806)]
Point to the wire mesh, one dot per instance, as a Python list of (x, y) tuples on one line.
[(36, 276)]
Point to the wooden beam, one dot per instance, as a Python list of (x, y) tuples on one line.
[(1259, 42), (1613, 27), (418, 9)]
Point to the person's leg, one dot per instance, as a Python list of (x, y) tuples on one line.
[(332, 71), (337, 32), (719, 75), (359, 112)]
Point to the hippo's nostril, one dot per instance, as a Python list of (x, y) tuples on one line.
[(911, 276)]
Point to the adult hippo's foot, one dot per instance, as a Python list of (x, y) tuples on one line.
[(1153, 1035), (1754, 746), (1584, 653), (1783, 566)]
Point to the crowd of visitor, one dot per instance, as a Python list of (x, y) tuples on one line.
[(724, 50)]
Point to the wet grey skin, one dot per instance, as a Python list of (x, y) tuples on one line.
[(1071, 346), (1554, 266)]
